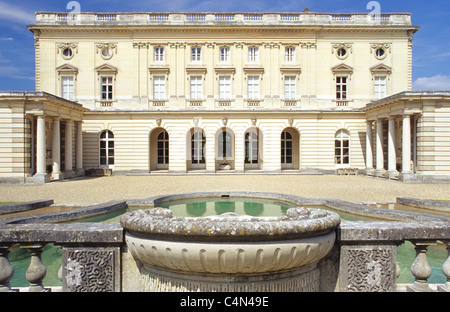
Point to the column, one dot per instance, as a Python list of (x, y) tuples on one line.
[(79, 149), (68, 148), (369, 150), (33, 145), (406, 148), (41, 147), (392, 158), (56, 150), (380, 156), (210, 151)]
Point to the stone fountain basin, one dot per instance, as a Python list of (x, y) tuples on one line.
[(230, 244)]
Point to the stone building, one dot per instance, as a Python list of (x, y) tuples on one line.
[(297, 93)]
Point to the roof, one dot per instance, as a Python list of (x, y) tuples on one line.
[(407, 96), (34, 95)]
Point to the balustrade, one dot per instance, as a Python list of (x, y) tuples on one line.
[(366, 248), (250, 18)]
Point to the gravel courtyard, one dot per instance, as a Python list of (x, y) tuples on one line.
[(97, 190)]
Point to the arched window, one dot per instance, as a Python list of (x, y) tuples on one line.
[(225, 145), (106, 148), (287, 144), (251, 147), (163, 148), (198, 147), (342, 147)]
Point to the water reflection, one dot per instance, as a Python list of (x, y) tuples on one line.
[(209, 207)]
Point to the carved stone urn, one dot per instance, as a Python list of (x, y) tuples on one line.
[(230, 252)]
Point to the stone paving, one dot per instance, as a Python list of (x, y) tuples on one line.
[(103, 189)]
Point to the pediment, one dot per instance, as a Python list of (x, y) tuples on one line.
[(67, 68), (381, 68), (253, 70), (106, 68), (291, 70), (342, 68), (200, 70), (159, 70)]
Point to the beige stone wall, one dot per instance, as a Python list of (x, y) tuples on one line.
[(132, 139), (315, 112), (134, 62), (13, 128), (434, 139)]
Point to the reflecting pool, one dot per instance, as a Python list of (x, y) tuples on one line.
[(201, 207)]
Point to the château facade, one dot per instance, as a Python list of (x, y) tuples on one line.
[(145, 93)]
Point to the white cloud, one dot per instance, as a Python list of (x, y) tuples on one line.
[(435, 83), (16, 14)]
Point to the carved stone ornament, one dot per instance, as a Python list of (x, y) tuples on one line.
[(89, 270), (67, 50), (342, 50), (106, 50), (370, 269)]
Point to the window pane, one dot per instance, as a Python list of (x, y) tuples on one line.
[(288, 144), (346, 143), (253, 87), (225, 87)]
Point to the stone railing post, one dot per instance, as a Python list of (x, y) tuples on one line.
[(36, 271), (6, 270), (446, 270), (368, 257), (420, 267)]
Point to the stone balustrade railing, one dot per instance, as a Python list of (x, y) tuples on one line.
[(363, 258), (74, 18), (91, 255)]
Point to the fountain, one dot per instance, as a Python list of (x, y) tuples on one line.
[(228, 252)]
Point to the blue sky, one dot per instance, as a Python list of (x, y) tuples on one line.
[(431, 54)]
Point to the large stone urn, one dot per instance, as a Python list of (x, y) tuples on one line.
[(230, 252)]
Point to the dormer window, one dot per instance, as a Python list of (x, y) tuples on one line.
[(196, 54), (159, 54), (224, 54), (253, 55), (290, 55)]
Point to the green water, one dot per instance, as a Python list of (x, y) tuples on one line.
[(51, 257)]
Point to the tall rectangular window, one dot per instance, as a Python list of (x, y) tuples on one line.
[(380, 87), (224, 87), (159, 88), (290, 55), (68, 88), (107, 88), (159, 54), (196, 88), (289, 87), (253, 55), (341, 88), (224, 54), (196, 54), (253, 87)]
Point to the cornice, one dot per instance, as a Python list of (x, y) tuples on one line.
[(219, 28)]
